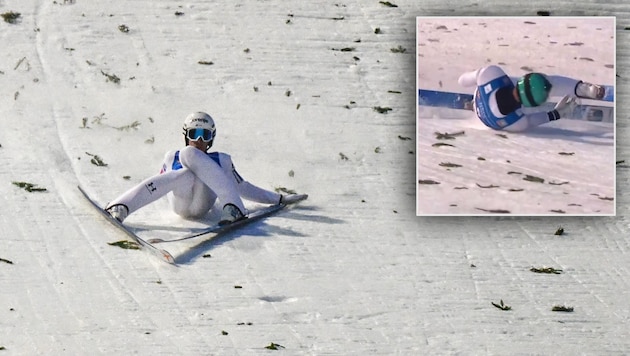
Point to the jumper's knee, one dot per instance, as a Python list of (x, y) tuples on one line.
[(191, 157), (490, 72)]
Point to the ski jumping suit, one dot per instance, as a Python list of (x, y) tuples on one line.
[(195, 180), (501, 112)]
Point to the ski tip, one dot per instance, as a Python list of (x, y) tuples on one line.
[(298, 198), (168, 257)]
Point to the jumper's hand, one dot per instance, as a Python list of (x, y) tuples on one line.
[(292, 198), (565, 106)]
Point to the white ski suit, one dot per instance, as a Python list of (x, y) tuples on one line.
[(501, 112), (193, 180)]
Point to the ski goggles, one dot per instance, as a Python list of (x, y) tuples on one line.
[(203, 134)]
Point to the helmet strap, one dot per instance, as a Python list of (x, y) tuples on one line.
[(528, 90)]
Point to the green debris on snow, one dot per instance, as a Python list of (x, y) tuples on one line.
[(448, 136), (562, 308), (427, 181), (344, 49), (547, 270), (534, 179), (96, 160), (134, 125), (501, 306), (285, 190), (494, 211), (11, 17), (274, 346), (29, 187), (382, 110), (111, 77), (441, 144), (387, 3), (399, 49), (125, 244)]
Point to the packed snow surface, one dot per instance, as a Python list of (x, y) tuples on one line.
[(564, 167), (94, 93)]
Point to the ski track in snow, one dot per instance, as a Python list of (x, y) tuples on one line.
[(350, 271)]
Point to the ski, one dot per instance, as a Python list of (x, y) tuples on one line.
[(223, 229), (162, 254), (436, 98), (609, 94)]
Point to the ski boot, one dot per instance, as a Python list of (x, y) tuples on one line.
[(230, 214), (590, 91), (118, 212)]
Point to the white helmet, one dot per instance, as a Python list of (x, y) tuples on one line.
[(199, 125)]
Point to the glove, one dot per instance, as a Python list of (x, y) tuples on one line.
[(292, 198), (564, 108)]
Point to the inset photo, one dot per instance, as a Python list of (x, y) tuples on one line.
[(515, 116)]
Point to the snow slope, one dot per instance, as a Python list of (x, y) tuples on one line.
[(293, 88), (565, 167)]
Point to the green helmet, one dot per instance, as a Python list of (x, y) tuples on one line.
[(533, 89)]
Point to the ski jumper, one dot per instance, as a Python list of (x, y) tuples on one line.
[(495, 105), (193, 181)]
